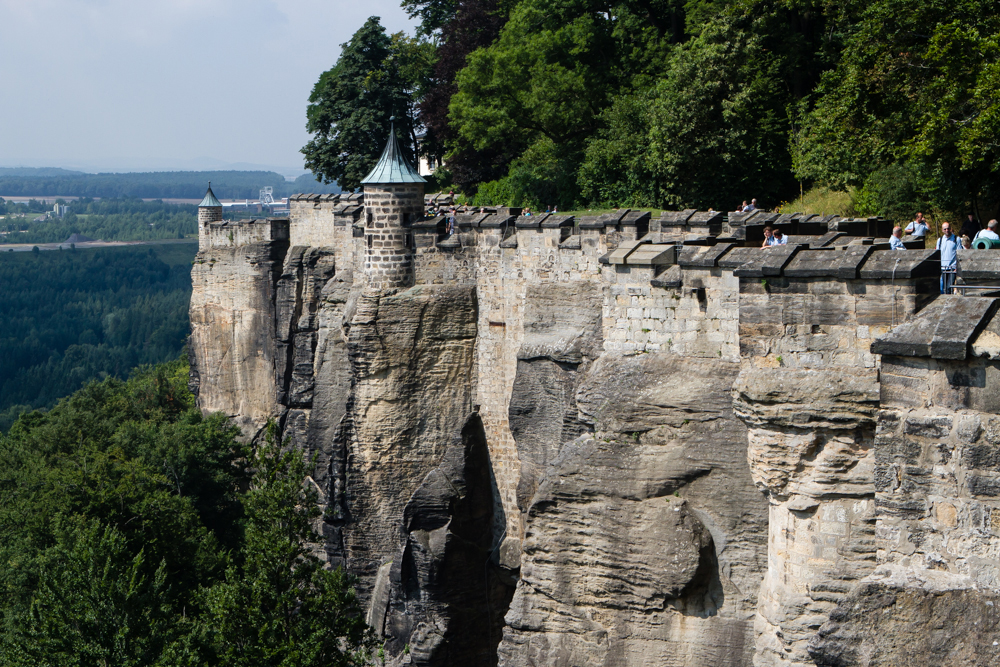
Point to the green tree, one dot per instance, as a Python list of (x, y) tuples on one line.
[(916, 85), (95, 602), (376, 77), (119, 507), (280, 606), (718, 123)]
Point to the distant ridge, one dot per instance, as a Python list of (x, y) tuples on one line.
[(38, 172), (51, 182)]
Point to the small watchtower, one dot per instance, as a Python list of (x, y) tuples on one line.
[(209, 211), (394, 200)]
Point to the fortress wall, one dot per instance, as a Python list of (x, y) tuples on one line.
[(937, 484), (795, 324), (937, 474), (808, 391), (503, 279), (327, 221), (698, 318), (235, 234)]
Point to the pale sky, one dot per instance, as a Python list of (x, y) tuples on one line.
[(129, 85)]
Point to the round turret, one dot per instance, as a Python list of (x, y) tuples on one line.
[(209, 211), (394, 200)]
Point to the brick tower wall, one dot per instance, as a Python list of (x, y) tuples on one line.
[(206, 216), (390, 210)]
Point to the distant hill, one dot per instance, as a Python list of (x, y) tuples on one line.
[(23, 182), (38, 172)]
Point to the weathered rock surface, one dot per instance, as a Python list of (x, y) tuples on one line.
[(562, 336), (890, 625), (810, 449), (643, 543), (232, 330), (416, 513)]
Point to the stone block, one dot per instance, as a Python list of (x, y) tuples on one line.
[(928, 427), (980, 485), (768, 261), (942, 330)]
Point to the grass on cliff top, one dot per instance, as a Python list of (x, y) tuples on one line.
[(820, 200), (654, 212)]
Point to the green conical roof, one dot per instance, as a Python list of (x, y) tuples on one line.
[(210, 199), (392, 167)]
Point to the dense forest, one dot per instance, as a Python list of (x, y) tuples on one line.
[(73, 315), (677, 103), (136, 532), (106, 219), (25, 182)]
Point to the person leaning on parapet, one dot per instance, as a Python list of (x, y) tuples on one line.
[(752, 206), (947, 245), (919, 227), (768, 237), (896, 240), (779, 238), (742, 207), (990, 232), (970, 227)]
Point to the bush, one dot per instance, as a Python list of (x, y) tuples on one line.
[(893, 192)]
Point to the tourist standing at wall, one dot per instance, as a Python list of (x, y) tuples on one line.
[(947, 244), (918, 228), (768, 238)]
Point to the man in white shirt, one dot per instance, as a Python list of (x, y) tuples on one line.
[(948, 244), (896, 240), (990, 232), (919, 227), (751, 207), (777, 238)]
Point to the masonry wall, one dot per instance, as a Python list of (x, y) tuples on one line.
[(390, 212), (937, 476), (697, 319), (237, 234)]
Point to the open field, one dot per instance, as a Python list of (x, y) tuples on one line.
[(28, 247)]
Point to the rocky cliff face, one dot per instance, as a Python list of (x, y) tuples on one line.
[(542, 454), (645, 540)]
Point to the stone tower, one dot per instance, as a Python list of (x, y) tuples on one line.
[(209, 211), (394, 199)]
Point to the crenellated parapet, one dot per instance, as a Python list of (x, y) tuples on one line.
[(239, 233)]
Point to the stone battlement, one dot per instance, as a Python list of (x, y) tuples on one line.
[(237, 233)]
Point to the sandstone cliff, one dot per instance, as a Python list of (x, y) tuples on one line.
[(586, 445)]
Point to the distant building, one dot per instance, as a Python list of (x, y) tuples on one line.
[(60, 210)]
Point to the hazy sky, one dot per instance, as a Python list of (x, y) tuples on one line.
[(167, 84)]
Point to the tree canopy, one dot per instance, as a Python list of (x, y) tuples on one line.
[(137, 532), (706, 102), (377, 77)]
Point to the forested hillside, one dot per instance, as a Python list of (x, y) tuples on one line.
[(153, 185), (673, 103), (73, 315), (106, 219), (136, 532)]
